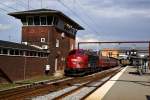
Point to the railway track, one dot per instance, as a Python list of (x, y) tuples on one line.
[(78, 91), (52, 87)]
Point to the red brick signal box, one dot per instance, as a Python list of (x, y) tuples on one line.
[(49, 30)]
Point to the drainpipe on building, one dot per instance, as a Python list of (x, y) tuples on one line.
[(149, 55), (24, 67)]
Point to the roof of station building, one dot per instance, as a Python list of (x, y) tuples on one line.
[(45, 11), (13, 45)]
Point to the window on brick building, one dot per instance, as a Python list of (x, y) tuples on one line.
[(49, 20), (0, 51), (30, 21), (43, 20), (11, 52), (42, 39), (21, 53), (16, 52), (36, 20), (5, 51), (24, 21), (55, 20), (27, 53), (57, 43)]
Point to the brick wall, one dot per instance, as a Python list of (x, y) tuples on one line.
[(18, 68), (33, 34)]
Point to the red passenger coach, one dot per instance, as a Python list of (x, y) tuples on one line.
[(104, 62)]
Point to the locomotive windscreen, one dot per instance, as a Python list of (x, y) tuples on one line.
[(76, 52)]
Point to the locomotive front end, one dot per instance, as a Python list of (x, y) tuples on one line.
[(76, 63)]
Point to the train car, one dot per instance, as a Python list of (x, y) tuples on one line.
[(104, 62), (77, 63), (107, 62), (125, 62), (113, 62), (81, 62)]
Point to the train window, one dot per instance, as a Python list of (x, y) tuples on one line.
[(43, 20), (49, 20), (76, 52), (30, 20), (36, 20), (80, 52), (72, 52)]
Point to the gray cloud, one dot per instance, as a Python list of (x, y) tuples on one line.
[(104, 20)]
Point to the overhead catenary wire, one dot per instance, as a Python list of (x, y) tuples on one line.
[(84, 10), (26, 5), (5, 6), (77, 15), (4, 10), (8, 6)]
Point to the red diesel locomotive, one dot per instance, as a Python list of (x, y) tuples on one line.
[(81, 62)]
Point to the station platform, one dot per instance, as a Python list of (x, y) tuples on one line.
[(126, 85)]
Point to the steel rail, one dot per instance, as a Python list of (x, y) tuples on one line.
[(103, 75)]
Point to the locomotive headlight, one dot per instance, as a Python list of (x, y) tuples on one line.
[(76, 61)]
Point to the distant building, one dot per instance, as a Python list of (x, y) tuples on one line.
[(110, 53), (19, 61), (50, 30)]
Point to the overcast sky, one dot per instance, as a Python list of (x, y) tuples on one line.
[(103, 20)]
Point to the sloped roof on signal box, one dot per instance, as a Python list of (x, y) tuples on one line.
[(45, 11), (13, 45)]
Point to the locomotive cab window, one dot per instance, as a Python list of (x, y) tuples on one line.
[(76, 52), (72, 52)]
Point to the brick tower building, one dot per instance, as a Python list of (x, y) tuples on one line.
[(51, 31)]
